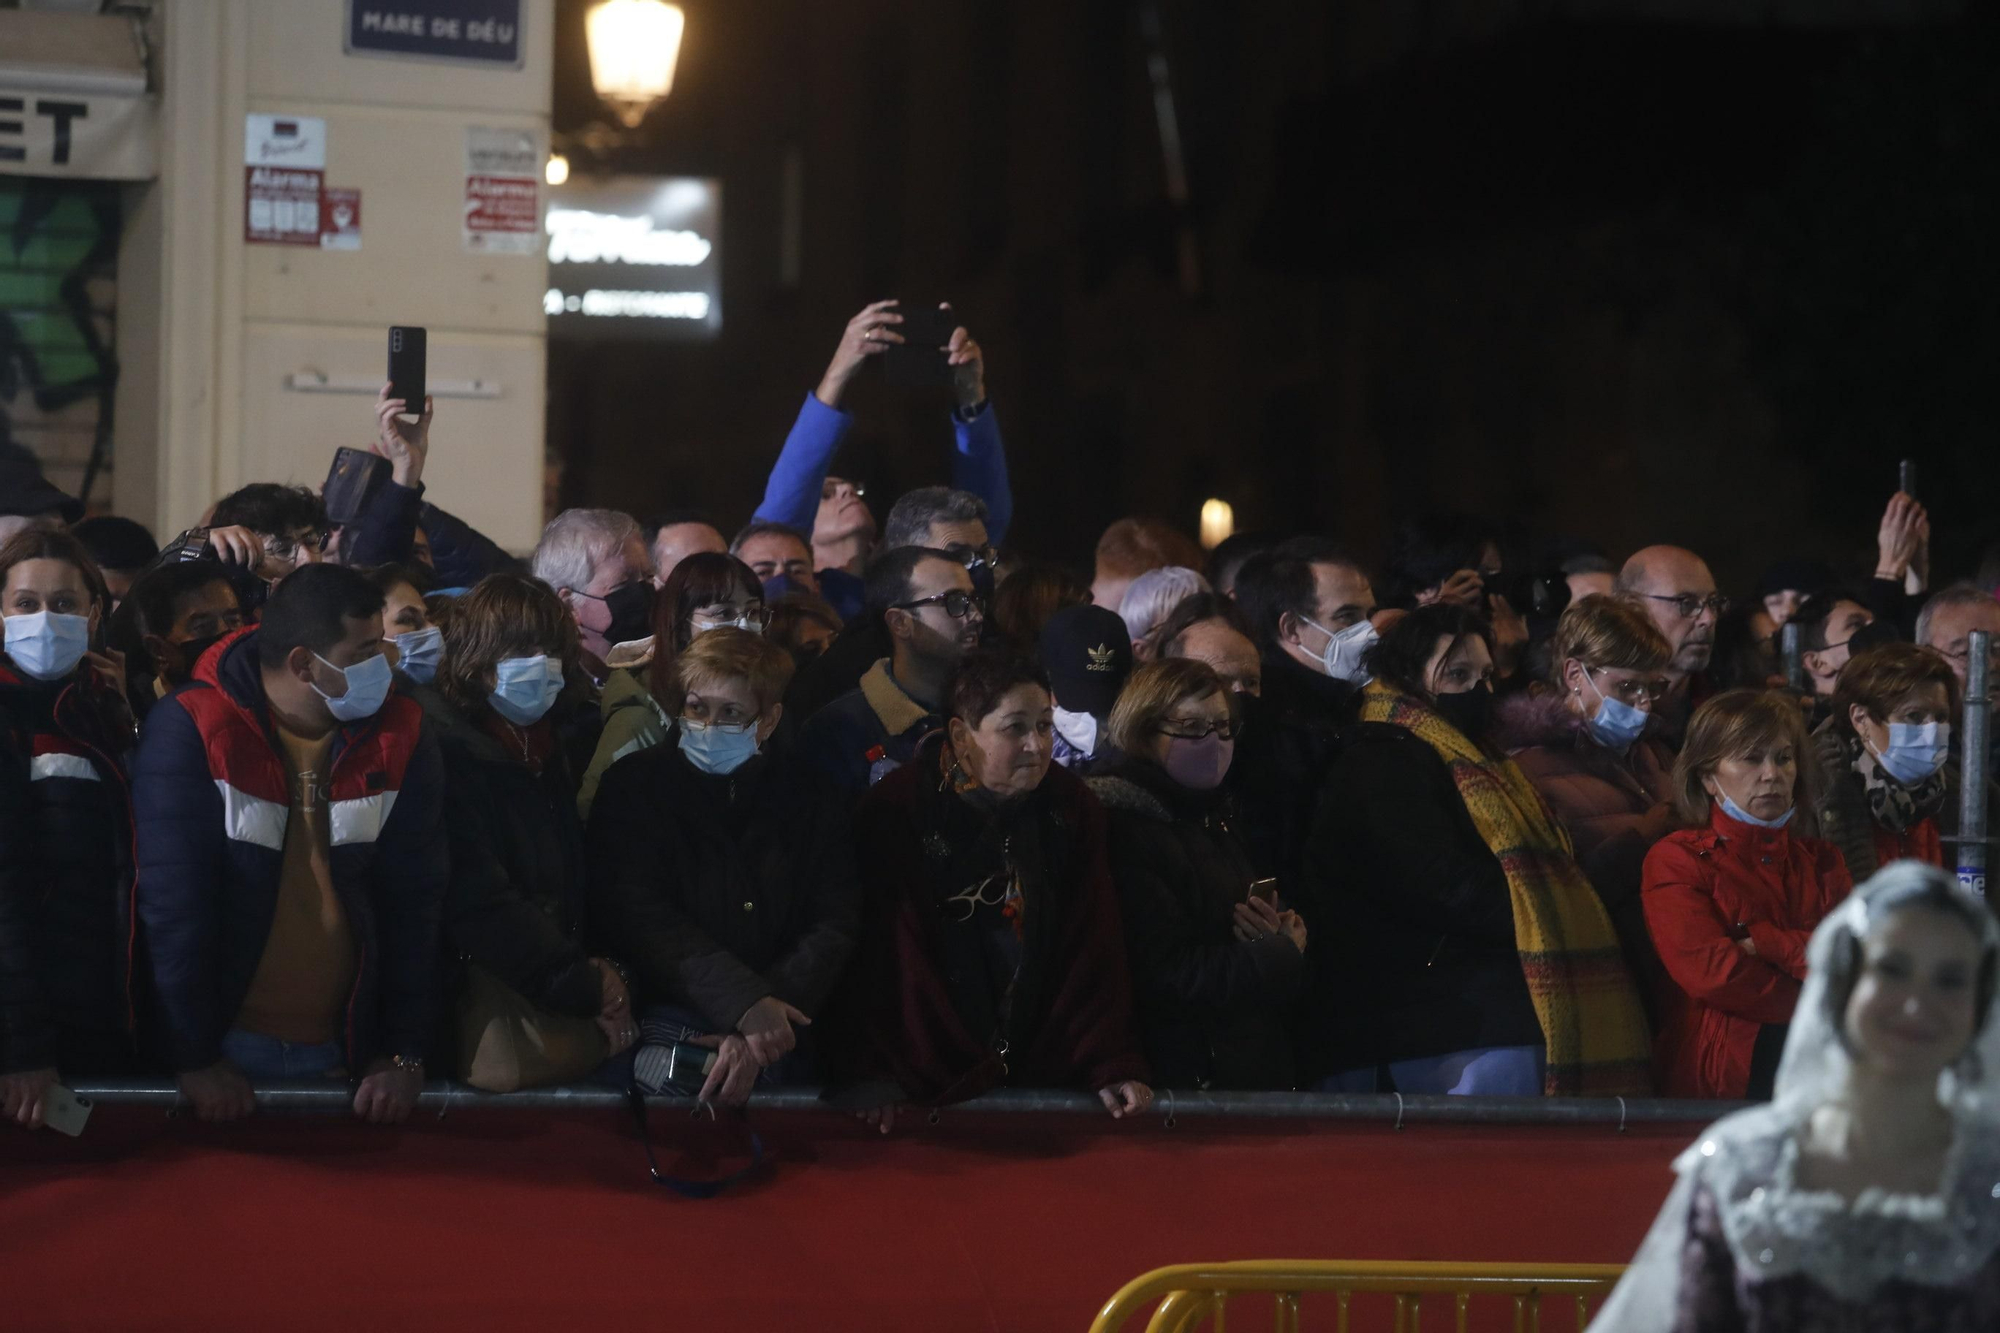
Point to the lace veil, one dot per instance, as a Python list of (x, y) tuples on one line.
[(1746, 1159)]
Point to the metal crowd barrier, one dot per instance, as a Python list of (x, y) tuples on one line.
[(1188, 1294), (1973, 745), (1169, 1108)]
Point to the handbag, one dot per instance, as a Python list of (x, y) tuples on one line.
[(507, 1042)]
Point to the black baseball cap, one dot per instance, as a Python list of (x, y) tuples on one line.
[(1088, 654)]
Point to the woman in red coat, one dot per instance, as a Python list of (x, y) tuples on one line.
[(1732, 901)]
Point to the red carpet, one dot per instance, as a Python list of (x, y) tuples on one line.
[(501, 1220)]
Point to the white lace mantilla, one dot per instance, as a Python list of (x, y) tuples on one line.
[(1776, 1229)]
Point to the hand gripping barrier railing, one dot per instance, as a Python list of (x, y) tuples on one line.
[(1189, 1294)]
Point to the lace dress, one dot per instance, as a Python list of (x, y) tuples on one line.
[(1763, 1256)]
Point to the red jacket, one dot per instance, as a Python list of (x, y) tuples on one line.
[(1704, 890)]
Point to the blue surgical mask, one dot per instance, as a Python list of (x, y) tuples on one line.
[(1615, 724), (47, 645), (420, 650), (715, 748), (525, 688), (368, 685), (1915, 752), (1742, 816)]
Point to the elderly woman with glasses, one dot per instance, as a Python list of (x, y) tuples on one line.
[(706, 591), (1216, 966), (991, 952), (1588, 746)]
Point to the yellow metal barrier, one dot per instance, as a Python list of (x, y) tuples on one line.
[(1189, 1294)]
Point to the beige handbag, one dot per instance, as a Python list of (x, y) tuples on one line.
[(506, 1042)]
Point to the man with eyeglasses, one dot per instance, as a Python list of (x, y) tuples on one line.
[(925, 602), (802, 493), (1678, 591)]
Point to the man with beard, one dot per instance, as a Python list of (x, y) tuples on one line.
[(925, 602), (1678, 592)]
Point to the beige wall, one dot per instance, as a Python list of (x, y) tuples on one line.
[(211, 328)]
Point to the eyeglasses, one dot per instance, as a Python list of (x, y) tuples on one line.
[(1634, 691), (296, 545), (1691, 604), (957, 604), (830, 488), (974, 557), (1198, 728), (753, 618)]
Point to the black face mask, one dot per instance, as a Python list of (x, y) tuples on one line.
[(189, 651), (1471, 712), (631, 608)]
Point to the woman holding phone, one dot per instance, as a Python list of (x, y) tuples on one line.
[(1216, 966)]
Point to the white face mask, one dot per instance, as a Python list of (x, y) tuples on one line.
[(368, 683), (1341, 657), (1078, 729), (525, 688), (47, 645)]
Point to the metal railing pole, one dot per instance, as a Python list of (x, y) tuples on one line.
[(1795, 658), (1972, 790)]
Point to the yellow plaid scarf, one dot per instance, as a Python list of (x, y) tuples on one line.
[(1592, 1023)]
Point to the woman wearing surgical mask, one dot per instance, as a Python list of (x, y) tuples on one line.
[(1466, 953), (407, 625), (66, 875), (1216, 965), (992, 952), (1584, 743), (1883, 777), (532, 1005), (721, 868), (1732, 899), (706, 591)]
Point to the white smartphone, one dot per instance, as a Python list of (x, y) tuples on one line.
[(65, 1112)]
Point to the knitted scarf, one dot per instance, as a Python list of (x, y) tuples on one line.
[(1592, 1022)]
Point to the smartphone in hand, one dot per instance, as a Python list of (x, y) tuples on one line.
[(1906, 477), (1264, 889), (406, 366), (918, 362)]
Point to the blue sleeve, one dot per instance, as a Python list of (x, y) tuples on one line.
[(413, 866), (791, 496), (177, 810), (979, 465), (386, 528)]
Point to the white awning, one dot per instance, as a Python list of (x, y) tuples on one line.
[(73, 99)]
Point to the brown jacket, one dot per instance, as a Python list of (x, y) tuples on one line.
[(1615, 807)]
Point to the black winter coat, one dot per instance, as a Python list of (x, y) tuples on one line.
[(65, 876), (1213, 1012), (1412, 948), (515, 901), (720, 890), (1290, 738)]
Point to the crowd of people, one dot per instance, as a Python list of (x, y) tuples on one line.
[(892, 811)]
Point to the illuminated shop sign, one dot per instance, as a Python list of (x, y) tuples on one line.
[(635, 256)]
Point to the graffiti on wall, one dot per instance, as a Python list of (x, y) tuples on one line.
[(58, 298)]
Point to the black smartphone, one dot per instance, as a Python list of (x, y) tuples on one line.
[(918, 362), (353, 477), (406, 367), (1906, 477), (1267, 889)]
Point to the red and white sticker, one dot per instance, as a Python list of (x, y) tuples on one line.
[(503, 191)]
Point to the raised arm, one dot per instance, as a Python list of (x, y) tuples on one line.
[(791, 496)]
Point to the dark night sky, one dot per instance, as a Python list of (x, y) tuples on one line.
[(1634, 282)]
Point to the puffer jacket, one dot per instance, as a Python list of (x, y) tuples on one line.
[(1214, 1012), (1706, 890), (65, 876), (1615, 806), (515, 904), (211, 800), (720, 890)]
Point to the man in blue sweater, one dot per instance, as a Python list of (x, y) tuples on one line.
[(801, 493)]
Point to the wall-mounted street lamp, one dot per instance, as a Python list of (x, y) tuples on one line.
[(1218, 523), (634, 45)]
